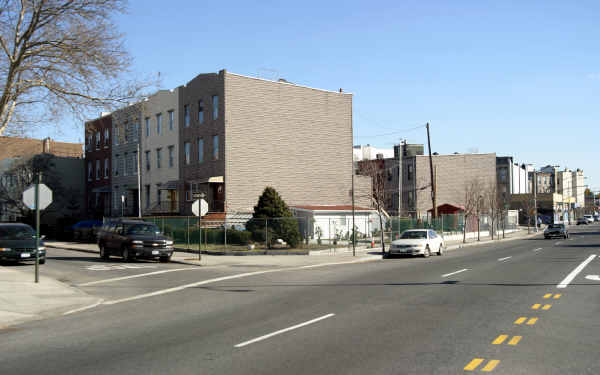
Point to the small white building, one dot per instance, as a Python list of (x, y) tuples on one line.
[(335, 222)]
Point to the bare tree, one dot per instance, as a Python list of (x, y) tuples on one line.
[(503, 204), (491, 200), (375, 169), (528, 204), (61, 56), (473, 190)]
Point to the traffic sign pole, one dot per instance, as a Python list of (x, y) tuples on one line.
[(37, 227)]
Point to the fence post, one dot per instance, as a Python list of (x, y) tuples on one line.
[(266, 233), (187, 231)]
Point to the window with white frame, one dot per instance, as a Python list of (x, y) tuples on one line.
[(200, 150), (215, 103), (116, 137), (106, 168), (171, 120), (171, 156), (187, 148), (215, 147), (186, 115), (116, 163), (200, 112), (89, 142), (97, 140), (159, 123)]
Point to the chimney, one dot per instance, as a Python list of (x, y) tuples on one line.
[(46, 145)]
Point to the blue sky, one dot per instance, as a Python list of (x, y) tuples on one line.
[(511, 77)]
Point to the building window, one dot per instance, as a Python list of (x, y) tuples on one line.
[(147, 160), (200, 112), (126, 132), (106, 137), (125, 159), (187, 150), (116, 165), (90, 171), (147, 187), (97, 140), (159, 123), (215, 103), (200, 150), (215, 154), (409, 172), (116, 135), (186, 115), (89, 142), (171, 121), (171, 156), (106, 168), (158, 194), (136, 129), (98, 170), (135, 162), (147, 126), (158, 156)]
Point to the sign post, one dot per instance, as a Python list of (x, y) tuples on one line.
[(200, 208), (37, 197)]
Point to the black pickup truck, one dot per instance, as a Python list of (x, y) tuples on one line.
[(132, 239)]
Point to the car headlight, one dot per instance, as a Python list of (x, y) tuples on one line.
[(169, 243), (140, 242), (5, 249), (41, 248)]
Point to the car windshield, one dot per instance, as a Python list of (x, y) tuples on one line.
[(142, 229), (16, 232), (414, 235), (555, 226)]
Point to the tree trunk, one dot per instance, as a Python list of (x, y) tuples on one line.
[(382, 236), (478, 228), (465, 230)]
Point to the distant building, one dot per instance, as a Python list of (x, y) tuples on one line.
[(98, 167), (369, 152)]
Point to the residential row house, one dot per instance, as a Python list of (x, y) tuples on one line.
[(225, 137)]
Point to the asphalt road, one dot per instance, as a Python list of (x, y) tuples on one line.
[(492, 308)]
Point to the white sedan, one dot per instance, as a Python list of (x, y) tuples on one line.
[(418, 242)]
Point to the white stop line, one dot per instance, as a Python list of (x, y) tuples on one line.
[(114, 267)]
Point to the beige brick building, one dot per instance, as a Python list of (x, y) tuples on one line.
[(453, 173), (240, 134)]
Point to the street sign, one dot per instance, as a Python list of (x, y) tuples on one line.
[(45, 197), (200, 207), (198, 195)]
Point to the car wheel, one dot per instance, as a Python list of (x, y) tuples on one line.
[(126, 255), (103, 254), (440, 251), (42, 261), (164, 259), (427, 252)]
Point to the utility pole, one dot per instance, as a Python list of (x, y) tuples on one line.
[(434, 212), (400, 178), (139, 180), (535, 213), (37, 227)]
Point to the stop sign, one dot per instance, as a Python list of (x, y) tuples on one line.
[(45, 197)]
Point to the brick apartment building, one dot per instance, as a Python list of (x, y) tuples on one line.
[(98, 164), (240, 134)]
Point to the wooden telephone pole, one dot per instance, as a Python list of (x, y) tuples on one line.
[(433, 187)]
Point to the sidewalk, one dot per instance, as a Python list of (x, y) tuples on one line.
[(21, 299)]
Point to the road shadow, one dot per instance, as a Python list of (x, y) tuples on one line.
[(97, 259)]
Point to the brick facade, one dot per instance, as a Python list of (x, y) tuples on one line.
[(98, 147)]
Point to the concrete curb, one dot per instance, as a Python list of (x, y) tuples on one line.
[(469, 244)]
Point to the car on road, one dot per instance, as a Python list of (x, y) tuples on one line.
[(418, 242), (589, 218), (17, 243), (131, 239), (582, 221), (556, 230)]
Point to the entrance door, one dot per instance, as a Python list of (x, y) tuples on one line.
[(218, 195), (172, 194)]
